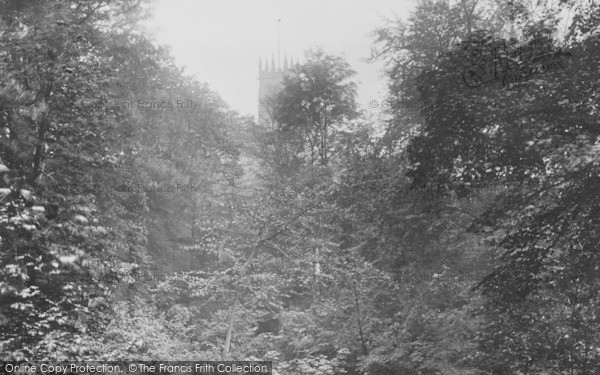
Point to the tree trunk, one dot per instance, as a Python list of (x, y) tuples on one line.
[(39, 157), (360, 328), (39, 153), (225, 354), (227, 345)]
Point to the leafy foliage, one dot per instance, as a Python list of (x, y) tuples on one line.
[(315, 98), (458, 238), (532, 145)]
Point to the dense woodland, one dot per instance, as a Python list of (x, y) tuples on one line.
[(455, 232)]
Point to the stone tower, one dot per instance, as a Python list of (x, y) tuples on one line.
[(269, 81)]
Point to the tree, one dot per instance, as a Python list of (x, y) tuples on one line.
[(409, 48), (94, 170), (56, 248), (537, 157), (316, 98)]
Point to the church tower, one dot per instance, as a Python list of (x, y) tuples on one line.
[(270, 79)]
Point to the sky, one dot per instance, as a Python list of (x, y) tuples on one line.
[(220, 41)]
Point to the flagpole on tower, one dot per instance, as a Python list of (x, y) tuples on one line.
[(278, 50)]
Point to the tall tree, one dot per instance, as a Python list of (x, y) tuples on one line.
[(538, 157), (55, 133), (315, 98)]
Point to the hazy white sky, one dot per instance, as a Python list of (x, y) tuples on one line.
[(220, 41)]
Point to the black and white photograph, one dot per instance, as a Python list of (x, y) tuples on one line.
[(300, 187)]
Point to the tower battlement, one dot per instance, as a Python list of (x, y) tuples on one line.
[(272, 69)]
